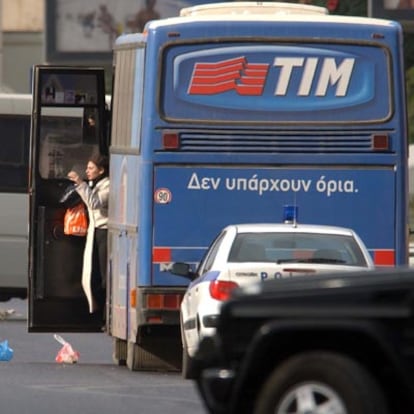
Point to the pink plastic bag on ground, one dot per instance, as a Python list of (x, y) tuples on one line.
[(66, 354)]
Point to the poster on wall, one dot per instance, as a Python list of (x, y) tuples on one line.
[(400, 10), (398, 4), (80, 31)]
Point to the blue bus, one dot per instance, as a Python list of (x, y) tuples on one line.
[(221, 115)]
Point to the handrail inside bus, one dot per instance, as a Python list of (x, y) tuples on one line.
[(21, 104)]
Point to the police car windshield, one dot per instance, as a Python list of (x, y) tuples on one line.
[(296, 247)]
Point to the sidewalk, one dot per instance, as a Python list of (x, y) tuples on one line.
[(11, 315), (13, 310)]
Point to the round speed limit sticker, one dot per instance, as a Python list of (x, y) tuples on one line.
[(162, 196)]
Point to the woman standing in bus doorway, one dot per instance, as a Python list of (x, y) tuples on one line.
[(95, 194)]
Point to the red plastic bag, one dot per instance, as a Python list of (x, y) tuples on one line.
[(76, 221), (66, 354)]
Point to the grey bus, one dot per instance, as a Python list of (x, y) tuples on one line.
[(15, 110)]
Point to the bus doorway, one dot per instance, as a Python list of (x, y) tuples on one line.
[(61, 140)]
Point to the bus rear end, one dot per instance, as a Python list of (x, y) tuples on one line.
[(232, 118)]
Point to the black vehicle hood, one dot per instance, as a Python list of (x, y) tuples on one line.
[(387, 293)]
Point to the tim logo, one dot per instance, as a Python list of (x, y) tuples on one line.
[(296, 76), (232, 74)]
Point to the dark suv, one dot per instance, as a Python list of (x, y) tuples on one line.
[(341, 344)]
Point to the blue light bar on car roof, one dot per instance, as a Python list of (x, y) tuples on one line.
[(290, 214)]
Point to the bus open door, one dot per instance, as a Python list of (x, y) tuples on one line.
[(62, 139)]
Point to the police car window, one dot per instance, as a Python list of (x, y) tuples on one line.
[(208, 261), (272, 247)]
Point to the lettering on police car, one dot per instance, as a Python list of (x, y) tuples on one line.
[(166, 267), (263, 275), (246, 274)]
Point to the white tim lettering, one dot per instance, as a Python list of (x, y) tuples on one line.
[(332, 74), (287, 65), (308, 75)]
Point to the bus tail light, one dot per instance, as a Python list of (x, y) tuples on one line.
[(170, 140), (221, 290), (163, 301), (380, 142)]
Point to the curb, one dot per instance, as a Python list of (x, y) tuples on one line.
[(11, 315)]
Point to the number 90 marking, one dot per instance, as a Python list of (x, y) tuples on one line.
[(162, 196)]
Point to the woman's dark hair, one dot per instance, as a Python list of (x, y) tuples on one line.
[(101, 161)]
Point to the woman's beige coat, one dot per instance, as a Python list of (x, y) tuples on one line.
[(96, 200)]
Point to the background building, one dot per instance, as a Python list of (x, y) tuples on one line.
[(22, 23), (69, 32), (1, 48)]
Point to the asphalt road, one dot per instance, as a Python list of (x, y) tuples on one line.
[(33, 382)]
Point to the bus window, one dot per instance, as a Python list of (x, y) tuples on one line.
[(63, 142), (15, 153)]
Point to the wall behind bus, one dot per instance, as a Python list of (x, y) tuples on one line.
[(21, 51), (411, 183), (1, 47), (22, 23)]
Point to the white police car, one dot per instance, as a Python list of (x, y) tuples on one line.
[(246, 253)]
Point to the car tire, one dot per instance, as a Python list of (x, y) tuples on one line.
[(188, 365), (306, 381)]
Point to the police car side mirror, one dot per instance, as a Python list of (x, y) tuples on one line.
[(182, 269)]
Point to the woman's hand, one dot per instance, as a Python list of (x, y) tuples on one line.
[(74, 176)]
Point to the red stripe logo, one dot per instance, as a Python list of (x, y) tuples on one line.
[(227, 75)]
